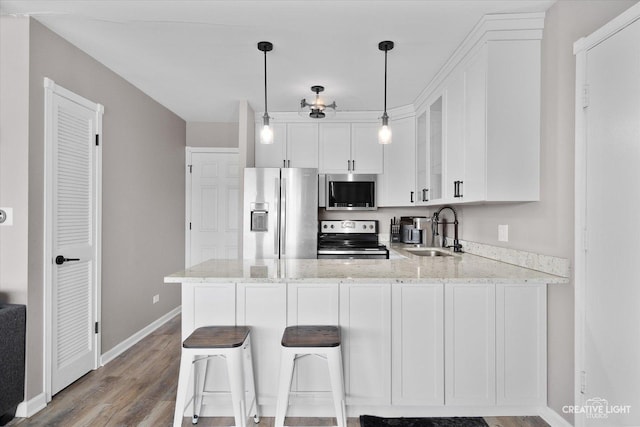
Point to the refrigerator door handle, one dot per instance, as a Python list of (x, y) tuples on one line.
[(283, 213), (275, 240)]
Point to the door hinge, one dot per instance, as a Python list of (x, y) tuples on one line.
[(583, 382), (585, 96), (190, 168), (97, 139), (96, 328)]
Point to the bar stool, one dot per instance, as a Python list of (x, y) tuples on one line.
[(232, 343), (322, 341)]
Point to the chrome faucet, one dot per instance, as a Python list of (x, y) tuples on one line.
[(457, 247)]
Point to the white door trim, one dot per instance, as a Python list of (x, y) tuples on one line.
[(187, 179), (52, 88), (580, 49)]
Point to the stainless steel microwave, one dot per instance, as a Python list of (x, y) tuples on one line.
[(350, 192)]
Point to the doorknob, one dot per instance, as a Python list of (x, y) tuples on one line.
[(61, 259)]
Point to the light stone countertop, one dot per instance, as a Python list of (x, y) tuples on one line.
[(460, 268)]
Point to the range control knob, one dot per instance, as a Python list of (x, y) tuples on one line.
[(364, 227), (324, 226), (332, 226), (371, 227)]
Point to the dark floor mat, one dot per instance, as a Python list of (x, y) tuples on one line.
[(371, 421)]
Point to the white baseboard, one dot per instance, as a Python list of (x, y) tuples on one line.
[(553, 418), (133, 339), (30, 407)]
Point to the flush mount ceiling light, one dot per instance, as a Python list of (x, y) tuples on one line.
[(384, 134), (266, 134), (318, 109)]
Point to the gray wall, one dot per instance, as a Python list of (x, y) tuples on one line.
[(547, 226), (205, 134), (14, 153), (143, 193)]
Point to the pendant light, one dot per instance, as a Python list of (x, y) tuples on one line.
[(384, 134), (266, 134)]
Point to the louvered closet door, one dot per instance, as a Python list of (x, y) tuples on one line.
[(74, 204)]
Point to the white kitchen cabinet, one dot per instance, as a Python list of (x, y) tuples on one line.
[(365, 318), (455, 131), (302, 145), (335, 148), (501, 124), (418, 344), (430, 152), (205, 304), (295, 145), (312, 304), (470, 339), (521, 344), (422, 165), (263, 307), (350, 148), (366, 153), (398, 182)]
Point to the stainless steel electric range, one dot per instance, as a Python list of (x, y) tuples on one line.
[(347, 239)]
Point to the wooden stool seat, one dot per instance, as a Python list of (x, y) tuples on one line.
[(311, 336), (217, 337)]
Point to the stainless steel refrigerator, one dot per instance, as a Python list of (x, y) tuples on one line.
[(280, 213)]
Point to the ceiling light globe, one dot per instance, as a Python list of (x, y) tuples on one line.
[(384, 135), (266, 135)]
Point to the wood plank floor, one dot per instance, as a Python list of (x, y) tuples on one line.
[(138, 389)]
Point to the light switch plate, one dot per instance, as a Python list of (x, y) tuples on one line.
[(6, 216), (503, 233)]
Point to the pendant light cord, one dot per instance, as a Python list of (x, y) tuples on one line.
[(265, 83), (385, 82)]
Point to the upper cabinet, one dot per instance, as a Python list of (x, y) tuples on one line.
[(295, 145), (397, 184), (478, 126), (350, 148)]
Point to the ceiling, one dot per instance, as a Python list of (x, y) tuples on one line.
[(199, 58)]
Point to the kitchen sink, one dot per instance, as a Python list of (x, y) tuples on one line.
[(428, 252)]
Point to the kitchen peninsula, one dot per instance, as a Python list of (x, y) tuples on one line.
[(446, 335)]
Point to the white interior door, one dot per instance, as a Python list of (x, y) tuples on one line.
[(73, 129), (213, 206), (612, 294)]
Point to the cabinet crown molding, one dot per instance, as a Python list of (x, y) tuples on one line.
[(492, 27)]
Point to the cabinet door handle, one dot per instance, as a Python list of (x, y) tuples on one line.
[(353, 165), (348, 165), (284, 163), (412, 197), (288, 163), (460, 188), (425, 191), (455, 188)]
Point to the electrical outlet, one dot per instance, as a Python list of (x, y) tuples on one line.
[(6, 216), (503, 233), (156, 298)]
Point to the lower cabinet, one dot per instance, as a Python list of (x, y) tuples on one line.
[(263, 307), (365, 320), (470, 344), (417, 344), (403, 344), (312, 304), (521, 343)]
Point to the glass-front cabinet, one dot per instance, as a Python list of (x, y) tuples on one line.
[(429, 153)]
